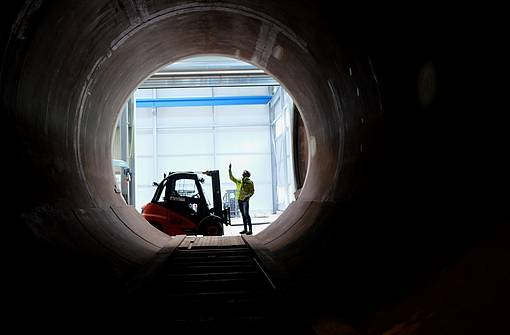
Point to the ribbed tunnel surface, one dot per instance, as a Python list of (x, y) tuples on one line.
[(378, 239)]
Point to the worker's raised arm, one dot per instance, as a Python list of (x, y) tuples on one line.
[(234, 179)]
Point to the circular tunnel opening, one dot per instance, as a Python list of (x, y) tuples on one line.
[(81, 91), (86, 77), (199, 114), (279, 51)]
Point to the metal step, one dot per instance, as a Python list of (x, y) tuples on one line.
[(217, 288)]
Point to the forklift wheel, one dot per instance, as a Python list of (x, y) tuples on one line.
[(211, 227)]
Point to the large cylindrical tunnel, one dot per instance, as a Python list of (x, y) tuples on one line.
[(378, 240)]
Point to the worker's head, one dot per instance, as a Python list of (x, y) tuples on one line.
[(246, 173)]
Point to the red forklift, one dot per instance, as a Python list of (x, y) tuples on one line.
[(179, 205)]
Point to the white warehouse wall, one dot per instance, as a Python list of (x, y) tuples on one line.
[(203, 138)]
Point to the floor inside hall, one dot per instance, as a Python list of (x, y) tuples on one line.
[(231, 237), (259, 223)]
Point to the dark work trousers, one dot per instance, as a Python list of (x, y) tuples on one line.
[(244, 207)]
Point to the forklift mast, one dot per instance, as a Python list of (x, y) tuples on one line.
[(217, 203)]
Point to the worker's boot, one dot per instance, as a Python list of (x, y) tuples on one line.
[(244, 230)]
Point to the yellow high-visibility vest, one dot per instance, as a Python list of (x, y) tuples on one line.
[(244, 187)]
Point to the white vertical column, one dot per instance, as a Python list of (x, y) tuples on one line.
[(285, 134), (132, 147), (213, 130), (155, 139), (274, 170)]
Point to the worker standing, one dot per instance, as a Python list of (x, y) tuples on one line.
[(244, 191)]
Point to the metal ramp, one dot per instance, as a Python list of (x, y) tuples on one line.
[(222, 289)]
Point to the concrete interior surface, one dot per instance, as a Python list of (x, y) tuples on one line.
[(392, 232)]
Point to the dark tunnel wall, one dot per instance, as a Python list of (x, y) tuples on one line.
[(386, 234)]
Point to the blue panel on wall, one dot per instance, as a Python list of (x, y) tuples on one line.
[(206, 101)]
